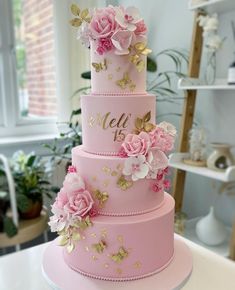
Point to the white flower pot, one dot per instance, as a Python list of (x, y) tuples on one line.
[(211, 231)]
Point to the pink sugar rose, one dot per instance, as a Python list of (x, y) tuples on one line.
[(135, 145), (73, 182), (122, 153), (141, 28), (103, 23), (79, 204)]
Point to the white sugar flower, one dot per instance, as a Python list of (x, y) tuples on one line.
[(136, 167), (168, 128), (127, 18)]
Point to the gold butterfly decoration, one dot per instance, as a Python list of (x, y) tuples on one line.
[(81, 16), (85, 223), (126, 82), (100, 66), (139, 48), (123, 183), (143, 124), (101, 196), (100, 247), (120, 255)]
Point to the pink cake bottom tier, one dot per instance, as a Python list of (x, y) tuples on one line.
[(126, 248), (103, 177)]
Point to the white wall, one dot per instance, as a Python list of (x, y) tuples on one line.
[(170, 26)]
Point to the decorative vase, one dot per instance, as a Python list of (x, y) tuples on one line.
[(210, 72), (33, 211), (211, 231), (221, 158)]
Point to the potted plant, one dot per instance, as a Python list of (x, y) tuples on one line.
[(31, 183)]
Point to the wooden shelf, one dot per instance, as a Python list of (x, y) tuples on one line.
[(176, 161), (27, 231), (214, 6), (197, 84), (190, 234)]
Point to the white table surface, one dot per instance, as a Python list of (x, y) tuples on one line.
[(22, 270)]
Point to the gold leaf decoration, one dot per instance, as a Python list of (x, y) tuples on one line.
[(139, 49), (100, 66), (123, 183), (126, 82), (84, 224), (143, 124), (70, 248), (101, 196), (84, 13), (76, 22), (120, 255), (75, 10), (100, 247)]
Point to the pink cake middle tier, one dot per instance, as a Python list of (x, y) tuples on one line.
[(106, 120), (113, 193)]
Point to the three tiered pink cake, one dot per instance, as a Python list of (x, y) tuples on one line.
[(113, 216)]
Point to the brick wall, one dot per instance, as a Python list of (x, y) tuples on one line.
[(40, 62)]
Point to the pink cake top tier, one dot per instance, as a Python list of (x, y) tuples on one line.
[(118, 43)]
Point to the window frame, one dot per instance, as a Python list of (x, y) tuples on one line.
[(11, 123)]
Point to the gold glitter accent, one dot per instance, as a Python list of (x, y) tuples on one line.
[(125, 82), (120, 255), (102, 197), (119, 167), (94, 178), (106, 183), (106, 170), (119, 271), (114, 173), (110, 76), (87, 249), (99, 247), (93, 235), (103, 233), (118, 69), (123, 183), (94, 258), (100, 66), (120, 239), (106, 265), (137, 265)]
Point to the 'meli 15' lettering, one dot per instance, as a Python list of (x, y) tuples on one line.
[(106, 121)]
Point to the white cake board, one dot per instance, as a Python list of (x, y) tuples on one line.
[(60, 277)]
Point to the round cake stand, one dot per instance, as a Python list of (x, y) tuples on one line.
[(60, 277)]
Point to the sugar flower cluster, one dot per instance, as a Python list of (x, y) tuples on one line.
[(73, 206), (109, 28), (145, 154)]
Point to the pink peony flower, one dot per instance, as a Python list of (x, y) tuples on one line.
[(104, 45), (168, 128), (73, 182), (103, 23), (79, 204), (121, 40), (127, 18), (141, 28), (136, 167), (71, 169), (135, 145), (161, 140)]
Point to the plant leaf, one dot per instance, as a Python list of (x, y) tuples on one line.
[(9, 227)]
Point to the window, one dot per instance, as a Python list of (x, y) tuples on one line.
[(27, 67)]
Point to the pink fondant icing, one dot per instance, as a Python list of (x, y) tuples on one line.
[(148, 240), (106, 120), (103, 172), (104, 81)]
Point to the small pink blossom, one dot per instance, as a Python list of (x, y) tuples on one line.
[(167, 184), (137, 144), (122, 153), (157, 187), (79, 204), (104, 45), (121, 40), (127, 18), (141, 28), (136, 167), (71, 169), (93, 212), (103, 23)]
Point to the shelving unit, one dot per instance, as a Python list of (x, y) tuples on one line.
[(214, 6), (198, 84), (190, 85)]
